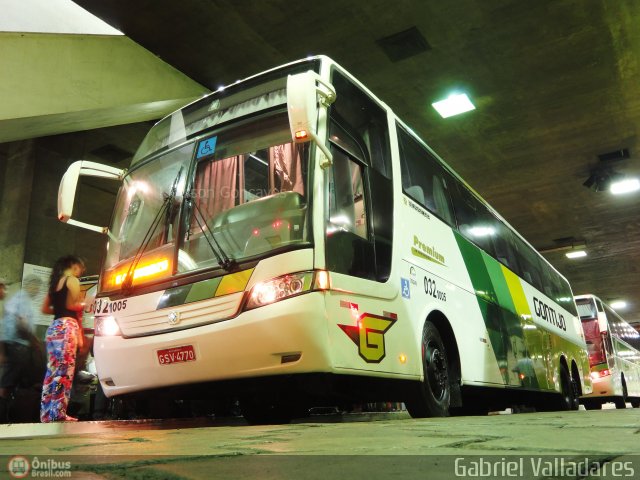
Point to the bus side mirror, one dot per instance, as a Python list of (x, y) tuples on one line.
[(304, 92), (69, 184)]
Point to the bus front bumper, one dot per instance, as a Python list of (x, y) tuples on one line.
[(287, 337), (602, 387)]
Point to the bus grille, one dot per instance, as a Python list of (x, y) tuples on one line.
[(189, 315)]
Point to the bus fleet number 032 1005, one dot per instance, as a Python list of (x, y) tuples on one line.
[(103, 306)]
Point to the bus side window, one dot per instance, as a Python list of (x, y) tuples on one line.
[(504, 247), (551, 283), (423, 178), (349, 250), (566, 297), (475, 222), (359, 134), (529, 264), (366, 121)]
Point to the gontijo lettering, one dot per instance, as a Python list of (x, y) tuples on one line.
[(545, 312)]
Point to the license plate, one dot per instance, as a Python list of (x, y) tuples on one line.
[(184, 353)]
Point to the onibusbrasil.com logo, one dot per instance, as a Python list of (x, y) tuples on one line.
[(22, 467)]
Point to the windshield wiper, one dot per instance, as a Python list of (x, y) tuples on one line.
[(166, 206), (222, 258)]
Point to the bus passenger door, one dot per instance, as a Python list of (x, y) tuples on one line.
[(359, 314), (358, 233)]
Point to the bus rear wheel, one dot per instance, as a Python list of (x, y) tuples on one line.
[(433, 396), (569, 393)]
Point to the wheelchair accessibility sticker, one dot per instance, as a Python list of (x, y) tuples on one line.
[(206, 147), (406, 289)]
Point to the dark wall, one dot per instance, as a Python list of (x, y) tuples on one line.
[(48, 238), (16, 177)]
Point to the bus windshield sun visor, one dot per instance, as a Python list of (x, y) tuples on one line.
[(168, 210)]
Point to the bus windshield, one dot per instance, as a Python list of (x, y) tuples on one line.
[(246, 196)]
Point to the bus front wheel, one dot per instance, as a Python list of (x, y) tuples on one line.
[(433, 395)]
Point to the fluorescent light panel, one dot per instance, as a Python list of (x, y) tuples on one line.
[(625, 186), (619, 305), (576, 254), (454, 104)]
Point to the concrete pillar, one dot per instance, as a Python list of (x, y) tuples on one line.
[(57, 83), (17, 161)]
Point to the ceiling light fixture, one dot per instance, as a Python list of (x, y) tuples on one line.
[(572, 247), (454, 104), (599, 179), (604, 177), (626, 185), (619, 305)]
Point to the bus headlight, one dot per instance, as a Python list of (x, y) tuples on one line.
[(106, 327), (271, 291)]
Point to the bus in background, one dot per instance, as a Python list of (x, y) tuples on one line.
[(288, 240), (614, 355)]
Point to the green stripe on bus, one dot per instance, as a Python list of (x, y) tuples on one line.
[(203, 290), (498, 308), (487, 300), (519, 354), (213, 287), (532, 333), (501, 289), (173, 297)]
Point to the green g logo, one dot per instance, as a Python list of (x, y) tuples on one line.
[(368, 335)]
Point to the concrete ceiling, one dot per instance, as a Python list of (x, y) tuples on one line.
[(555, 83)]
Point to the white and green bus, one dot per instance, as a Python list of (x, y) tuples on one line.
[(288, 239), (614, 355)]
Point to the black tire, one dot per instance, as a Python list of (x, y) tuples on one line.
[(621, 402), (635, 402), (433, 395), (569, 393), (592, 405), (265, 412)]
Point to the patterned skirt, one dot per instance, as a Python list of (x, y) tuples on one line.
[(62, 343)]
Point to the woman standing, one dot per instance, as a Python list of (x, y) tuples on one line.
[(64, 337)]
